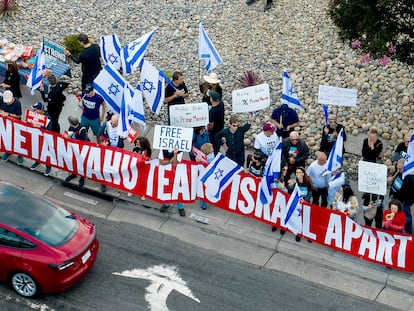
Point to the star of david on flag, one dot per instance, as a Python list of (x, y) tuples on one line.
[(131, 110), (409, 159), (207, 51), (111, 50), (289, 95), (271, 172), (35, 78), (293, 217), (335, 157), (133, 53), (152, 86), (218, 175)]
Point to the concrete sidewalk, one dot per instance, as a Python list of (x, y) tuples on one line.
[(244, 238)]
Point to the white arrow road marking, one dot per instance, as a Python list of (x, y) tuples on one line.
[(163, 279)]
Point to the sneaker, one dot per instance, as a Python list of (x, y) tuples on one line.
[(181, 211), (47, 170), (81, 182), (282, 232), (69, 178), (5, 157), (34, 166), (297, 238), (164, 208), (274, 229), (19, 161), (103, 188), (203, 206)]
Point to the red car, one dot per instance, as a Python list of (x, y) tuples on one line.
[(43, 247)]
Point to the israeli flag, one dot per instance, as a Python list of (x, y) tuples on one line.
[(110, 85), (111, 51), (35, 77), (130, 110), (271, 173), (409, 159), (293, 217), (133, 53), (207, 51), (136, 107), (335, 157), (289, 95), (152, 86), (218, 175)]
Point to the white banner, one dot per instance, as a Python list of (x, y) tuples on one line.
[(171, 137), (251, 98), (189, 115), (372, 177), (337, 96)]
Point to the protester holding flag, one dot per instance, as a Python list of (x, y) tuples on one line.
[(93, 110), (208, 150), (295, 152), (372, 146), (285, 119), (89, 57), (175, 94), (265, 142), (215, 120), (330, 134), (200, 137), (282, 183), (210, 84), (407, 198), (12, 80), (232, 138), (10, 107), (396, 180)]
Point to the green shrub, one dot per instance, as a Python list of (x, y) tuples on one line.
[(72, 44), (378, 24), (8, 8)]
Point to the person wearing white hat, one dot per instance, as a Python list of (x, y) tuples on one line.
[(10, 107), (210, 84)]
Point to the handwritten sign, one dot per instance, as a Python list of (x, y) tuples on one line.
[(171, 137), (251, 98), (189, 115), (372, 177), (37, 119), (337, 96)]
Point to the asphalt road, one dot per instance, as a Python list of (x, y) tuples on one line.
[(198, 279)]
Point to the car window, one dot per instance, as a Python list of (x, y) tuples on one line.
[(11, 239)]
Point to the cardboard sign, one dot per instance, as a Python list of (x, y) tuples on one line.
[(38, 120), (337, 96), (372, 177), (54, 50), (189, 115), (171, 137), (251, 98)]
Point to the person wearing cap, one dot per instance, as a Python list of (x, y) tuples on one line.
[(329, 135), (285, 120), (215, 120), (38, 108), (76, 131), (94, 109), (266, 7), (211, 84), (89, 57), (232, 138), (265, 142), (10, 107), (175, 94)]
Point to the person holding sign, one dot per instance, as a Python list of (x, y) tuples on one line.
[(329, 135), (372, 207), (38, 109), (10, 107), (372, 146), (285, 119), (175, 94), (232, 138)]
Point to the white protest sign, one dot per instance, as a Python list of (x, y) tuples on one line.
[(251, 98), (372, 177), (337, 96), (171, 137), (189, 115)]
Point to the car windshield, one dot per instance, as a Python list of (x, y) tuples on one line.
[(38, 217)]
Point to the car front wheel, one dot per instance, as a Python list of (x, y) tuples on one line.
[(24, 284)]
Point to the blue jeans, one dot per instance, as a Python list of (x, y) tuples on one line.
[(408, 218)]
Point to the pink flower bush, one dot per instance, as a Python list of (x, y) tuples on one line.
[(365, 59), (355, 44), (384, 61), (392, 48)]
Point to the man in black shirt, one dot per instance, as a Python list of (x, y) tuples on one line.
[(175, 95), (215, 120)]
